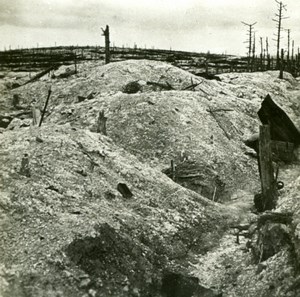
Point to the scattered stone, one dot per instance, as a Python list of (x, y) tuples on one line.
[(5, 121), (260, 268), (84, 283), (81, 172), (92, 293), (38, 139), (17, 123)]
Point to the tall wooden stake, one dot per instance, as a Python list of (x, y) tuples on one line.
[(268, 183)]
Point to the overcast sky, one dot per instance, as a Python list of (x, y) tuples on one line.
[(192, 25)]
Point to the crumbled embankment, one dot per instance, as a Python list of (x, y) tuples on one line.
[(65, 210), (72, 227)]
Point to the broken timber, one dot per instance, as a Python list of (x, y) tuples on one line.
[(268, 183), (101, 123), (166, 86), (41, 74), (282, 128)]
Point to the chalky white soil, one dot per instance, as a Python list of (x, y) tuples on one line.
[(68, 231)]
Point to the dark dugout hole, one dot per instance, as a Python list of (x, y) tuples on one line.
[(124, 190), (178, 285)]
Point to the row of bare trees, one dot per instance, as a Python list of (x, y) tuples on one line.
[(264, 44)]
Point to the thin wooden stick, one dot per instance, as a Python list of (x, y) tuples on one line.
[(45, 107)]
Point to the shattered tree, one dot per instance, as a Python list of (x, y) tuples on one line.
[(107, 44)]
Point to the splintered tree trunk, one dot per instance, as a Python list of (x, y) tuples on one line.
[(107, 44), (281, 64), (75, 62), (101, 123), (268, 183)]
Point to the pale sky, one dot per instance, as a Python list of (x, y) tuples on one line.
[(191, 25)]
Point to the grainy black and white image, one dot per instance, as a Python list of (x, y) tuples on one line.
[(149, 148)]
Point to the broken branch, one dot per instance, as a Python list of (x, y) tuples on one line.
[(45, 107)]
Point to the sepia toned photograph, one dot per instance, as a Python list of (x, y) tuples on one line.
[(149, 148)]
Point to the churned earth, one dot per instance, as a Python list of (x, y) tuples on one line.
[(84, 213)]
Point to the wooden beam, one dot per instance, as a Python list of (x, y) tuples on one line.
[(173, 170), (101, 123), (268, 183)]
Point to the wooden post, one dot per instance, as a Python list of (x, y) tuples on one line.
[(173, 170), (101, 123), (36, 115), (107, 44), (281, 64), (25, 168), (261, 53), (268, 62), (75, 61), (268, 183), (206, 67)]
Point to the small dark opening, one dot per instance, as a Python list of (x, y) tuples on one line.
[(124, 190)]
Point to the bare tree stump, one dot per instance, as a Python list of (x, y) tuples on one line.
[(25, 169), (107, 44)]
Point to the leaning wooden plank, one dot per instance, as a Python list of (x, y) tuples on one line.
[(219, 123), (282, 127)]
